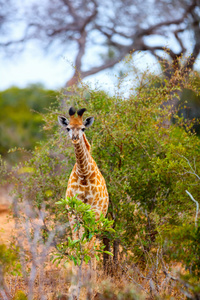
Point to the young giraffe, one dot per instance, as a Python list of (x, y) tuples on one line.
[(86, 181)]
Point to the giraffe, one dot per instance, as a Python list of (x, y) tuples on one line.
[(85, 181)]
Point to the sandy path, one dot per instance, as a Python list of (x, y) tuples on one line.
[(6, 224), (6, 220)]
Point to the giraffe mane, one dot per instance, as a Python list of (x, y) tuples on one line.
[(86, 142)]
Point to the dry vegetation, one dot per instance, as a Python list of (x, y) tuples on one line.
[(51, 281)]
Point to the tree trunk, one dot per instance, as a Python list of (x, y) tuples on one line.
[(115, 255), (116, 251), (106, 257)]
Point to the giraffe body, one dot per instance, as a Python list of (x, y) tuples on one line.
[(85, 181), (88, 183)]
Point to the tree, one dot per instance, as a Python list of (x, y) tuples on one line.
[(21, 119), (8, 15), (114, 28)]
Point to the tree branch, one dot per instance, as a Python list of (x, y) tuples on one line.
[(197, 207), (152, 29), (72, 11)]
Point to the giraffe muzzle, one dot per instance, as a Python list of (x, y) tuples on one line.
[(75, 139)]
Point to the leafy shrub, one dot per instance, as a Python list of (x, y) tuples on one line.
[(20, 295), (86, 222), (9, 263), (20, 116), (147, 167)]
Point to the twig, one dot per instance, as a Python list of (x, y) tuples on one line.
[(197, 207), (193, 169), (3, 294), (135, 282)]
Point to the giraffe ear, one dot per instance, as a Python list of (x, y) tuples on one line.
[(63, 121), (88, 122)]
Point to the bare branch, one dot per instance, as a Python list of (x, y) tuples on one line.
[(197, 207), (107, 65), (176, 34), (71, 9), (3, 294), (6, 44), (193, 171), (134, 281), (68, 21)]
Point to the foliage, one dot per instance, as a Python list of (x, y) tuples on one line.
[(8, 260), (21, 116), (189, 104), (189, 252), (147, 167), (20, 295), (87, 228), (144, 163)]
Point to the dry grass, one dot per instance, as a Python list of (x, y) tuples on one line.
[(55, 280)]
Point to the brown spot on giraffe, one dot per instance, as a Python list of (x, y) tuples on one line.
[(86, 181)]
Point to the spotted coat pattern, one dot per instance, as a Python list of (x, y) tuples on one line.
[(86, 180)]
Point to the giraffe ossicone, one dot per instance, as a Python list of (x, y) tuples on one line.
[(85, 181)]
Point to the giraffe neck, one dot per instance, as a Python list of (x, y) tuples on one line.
[(83, 158)]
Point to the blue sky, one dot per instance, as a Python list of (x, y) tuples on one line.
[(35, 66)]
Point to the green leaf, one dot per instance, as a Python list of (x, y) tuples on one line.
[(107, 252), (90, 236), (74, 260), (110, 230), (87, 258), (97, 257)]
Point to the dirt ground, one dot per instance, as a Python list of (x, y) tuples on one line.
[(6, 220), (6, 225)]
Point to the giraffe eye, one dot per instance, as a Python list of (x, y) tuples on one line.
[(83, 129), (68, 129)]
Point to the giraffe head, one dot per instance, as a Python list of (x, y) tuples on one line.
[(75, 125)]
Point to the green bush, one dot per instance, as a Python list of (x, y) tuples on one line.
[(147, 167), (20, 295), (8, 261), (145, 164), (87, 228), (20, 117)]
